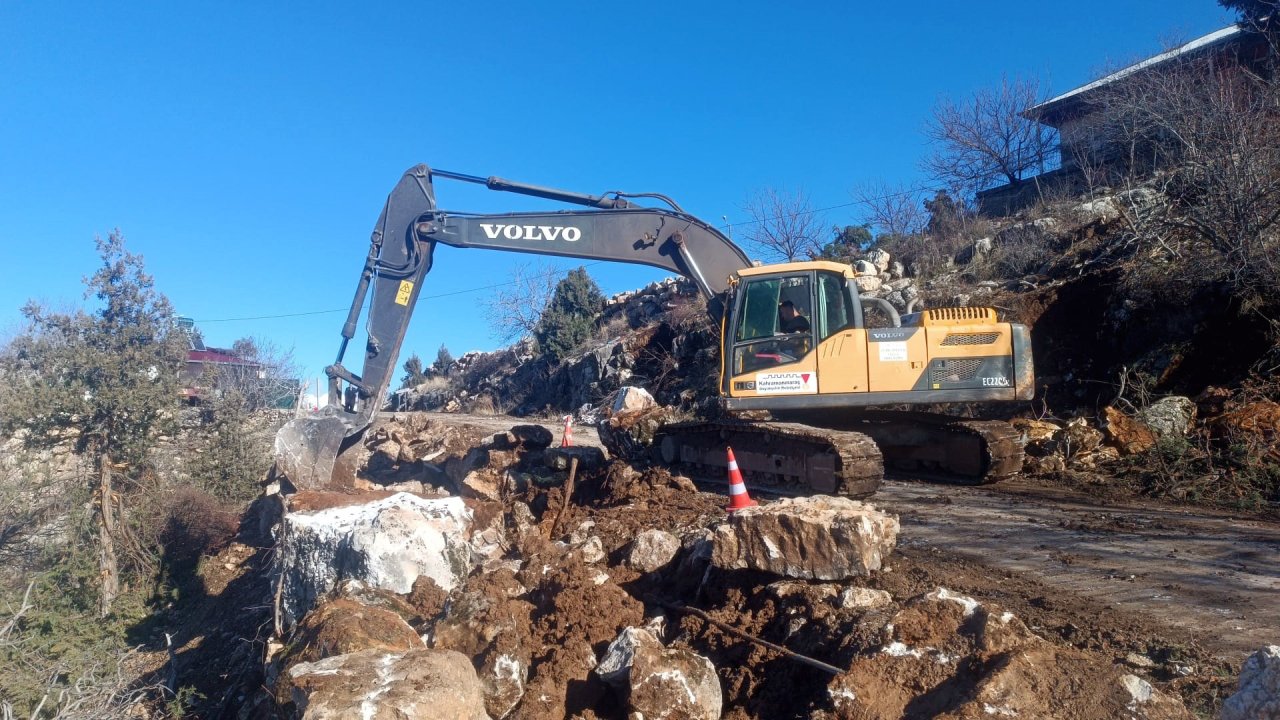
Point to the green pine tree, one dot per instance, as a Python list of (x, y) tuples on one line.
[(569, 318), (109, 378)]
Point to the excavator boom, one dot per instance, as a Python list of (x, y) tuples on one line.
[(400, 255)]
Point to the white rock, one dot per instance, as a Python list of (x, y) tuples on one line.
[(652, 549), (592, 550), (860, 598), (1259, 695), (1139, 690), (632, 399), (1103, 210), (964, 601), (659, 682), (504, 678), (865, 267), (879, 258), (868, 283), (384, 544)]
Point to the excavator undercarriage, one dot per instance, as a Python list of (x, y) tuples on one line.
[(786, 457)]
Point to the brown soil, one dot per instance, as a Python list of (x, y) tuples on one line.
[(1171, 594)]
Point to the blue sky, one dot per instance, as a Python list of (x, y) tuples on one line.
[(245, 149)]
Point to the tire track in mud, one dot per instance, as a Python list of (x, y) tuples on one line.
[(1214, 575)]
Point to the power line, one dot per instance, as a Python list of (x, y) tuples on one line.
[(424, 297)]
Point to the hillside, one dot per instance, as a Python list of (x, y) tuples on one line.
[(1115, 328)]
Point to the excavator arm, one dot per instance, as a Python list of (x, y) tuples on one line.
[(400, 255)]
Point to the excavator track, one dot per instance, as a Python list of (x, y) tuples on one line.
[(774, 456), (939, 448)]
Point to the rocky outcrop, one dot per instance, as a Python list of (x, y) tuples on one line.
[(1259, 695), (658, 682), (416, 685), (815, 538), (386, 543)]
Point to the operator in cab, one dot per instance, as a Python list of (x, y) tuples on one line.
[(790, 320)]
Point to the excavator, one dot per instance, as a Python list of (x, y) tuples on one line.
[(819, 380)]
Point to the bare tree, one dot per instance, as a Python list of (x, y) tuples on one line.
[(265, 376), (893, 210), (1205, 134), (986, 139), (784, 225), (514, 309)]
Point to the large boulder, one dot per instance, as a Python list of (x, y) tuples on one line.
[(421, 684), (879, 258), (340, 627), (670, 683), (868, 283), (814, 538), (1259, 695), (388, 544), (632, 399), (629, 435), (1171, 416)]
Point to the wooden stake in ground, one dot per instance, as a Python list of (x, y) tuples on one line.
[(568, 494)]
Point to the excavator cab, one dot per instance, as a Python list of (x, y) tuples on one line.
[(780, 317)]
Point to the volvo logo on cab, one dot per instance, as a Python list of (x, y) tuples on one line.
[(531, 232)]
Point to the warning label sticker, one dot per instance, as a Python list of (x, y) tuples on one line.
[(403, 293), (892, 351), (788, 382)]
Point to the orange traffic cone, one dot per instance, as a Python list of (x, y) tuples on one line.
[(567, 440), (738, 497)]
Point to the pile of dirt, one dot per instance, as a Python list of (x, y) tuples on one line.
[(554, 587)]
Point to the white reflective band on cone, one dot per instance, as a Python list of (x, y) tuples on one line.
[(737, 489)]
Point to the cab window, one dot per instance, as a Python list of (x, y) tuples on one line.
[(834, 311), (774, 325)]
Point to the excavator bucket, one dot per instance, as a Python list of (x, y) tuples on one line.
[(308, 449)]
